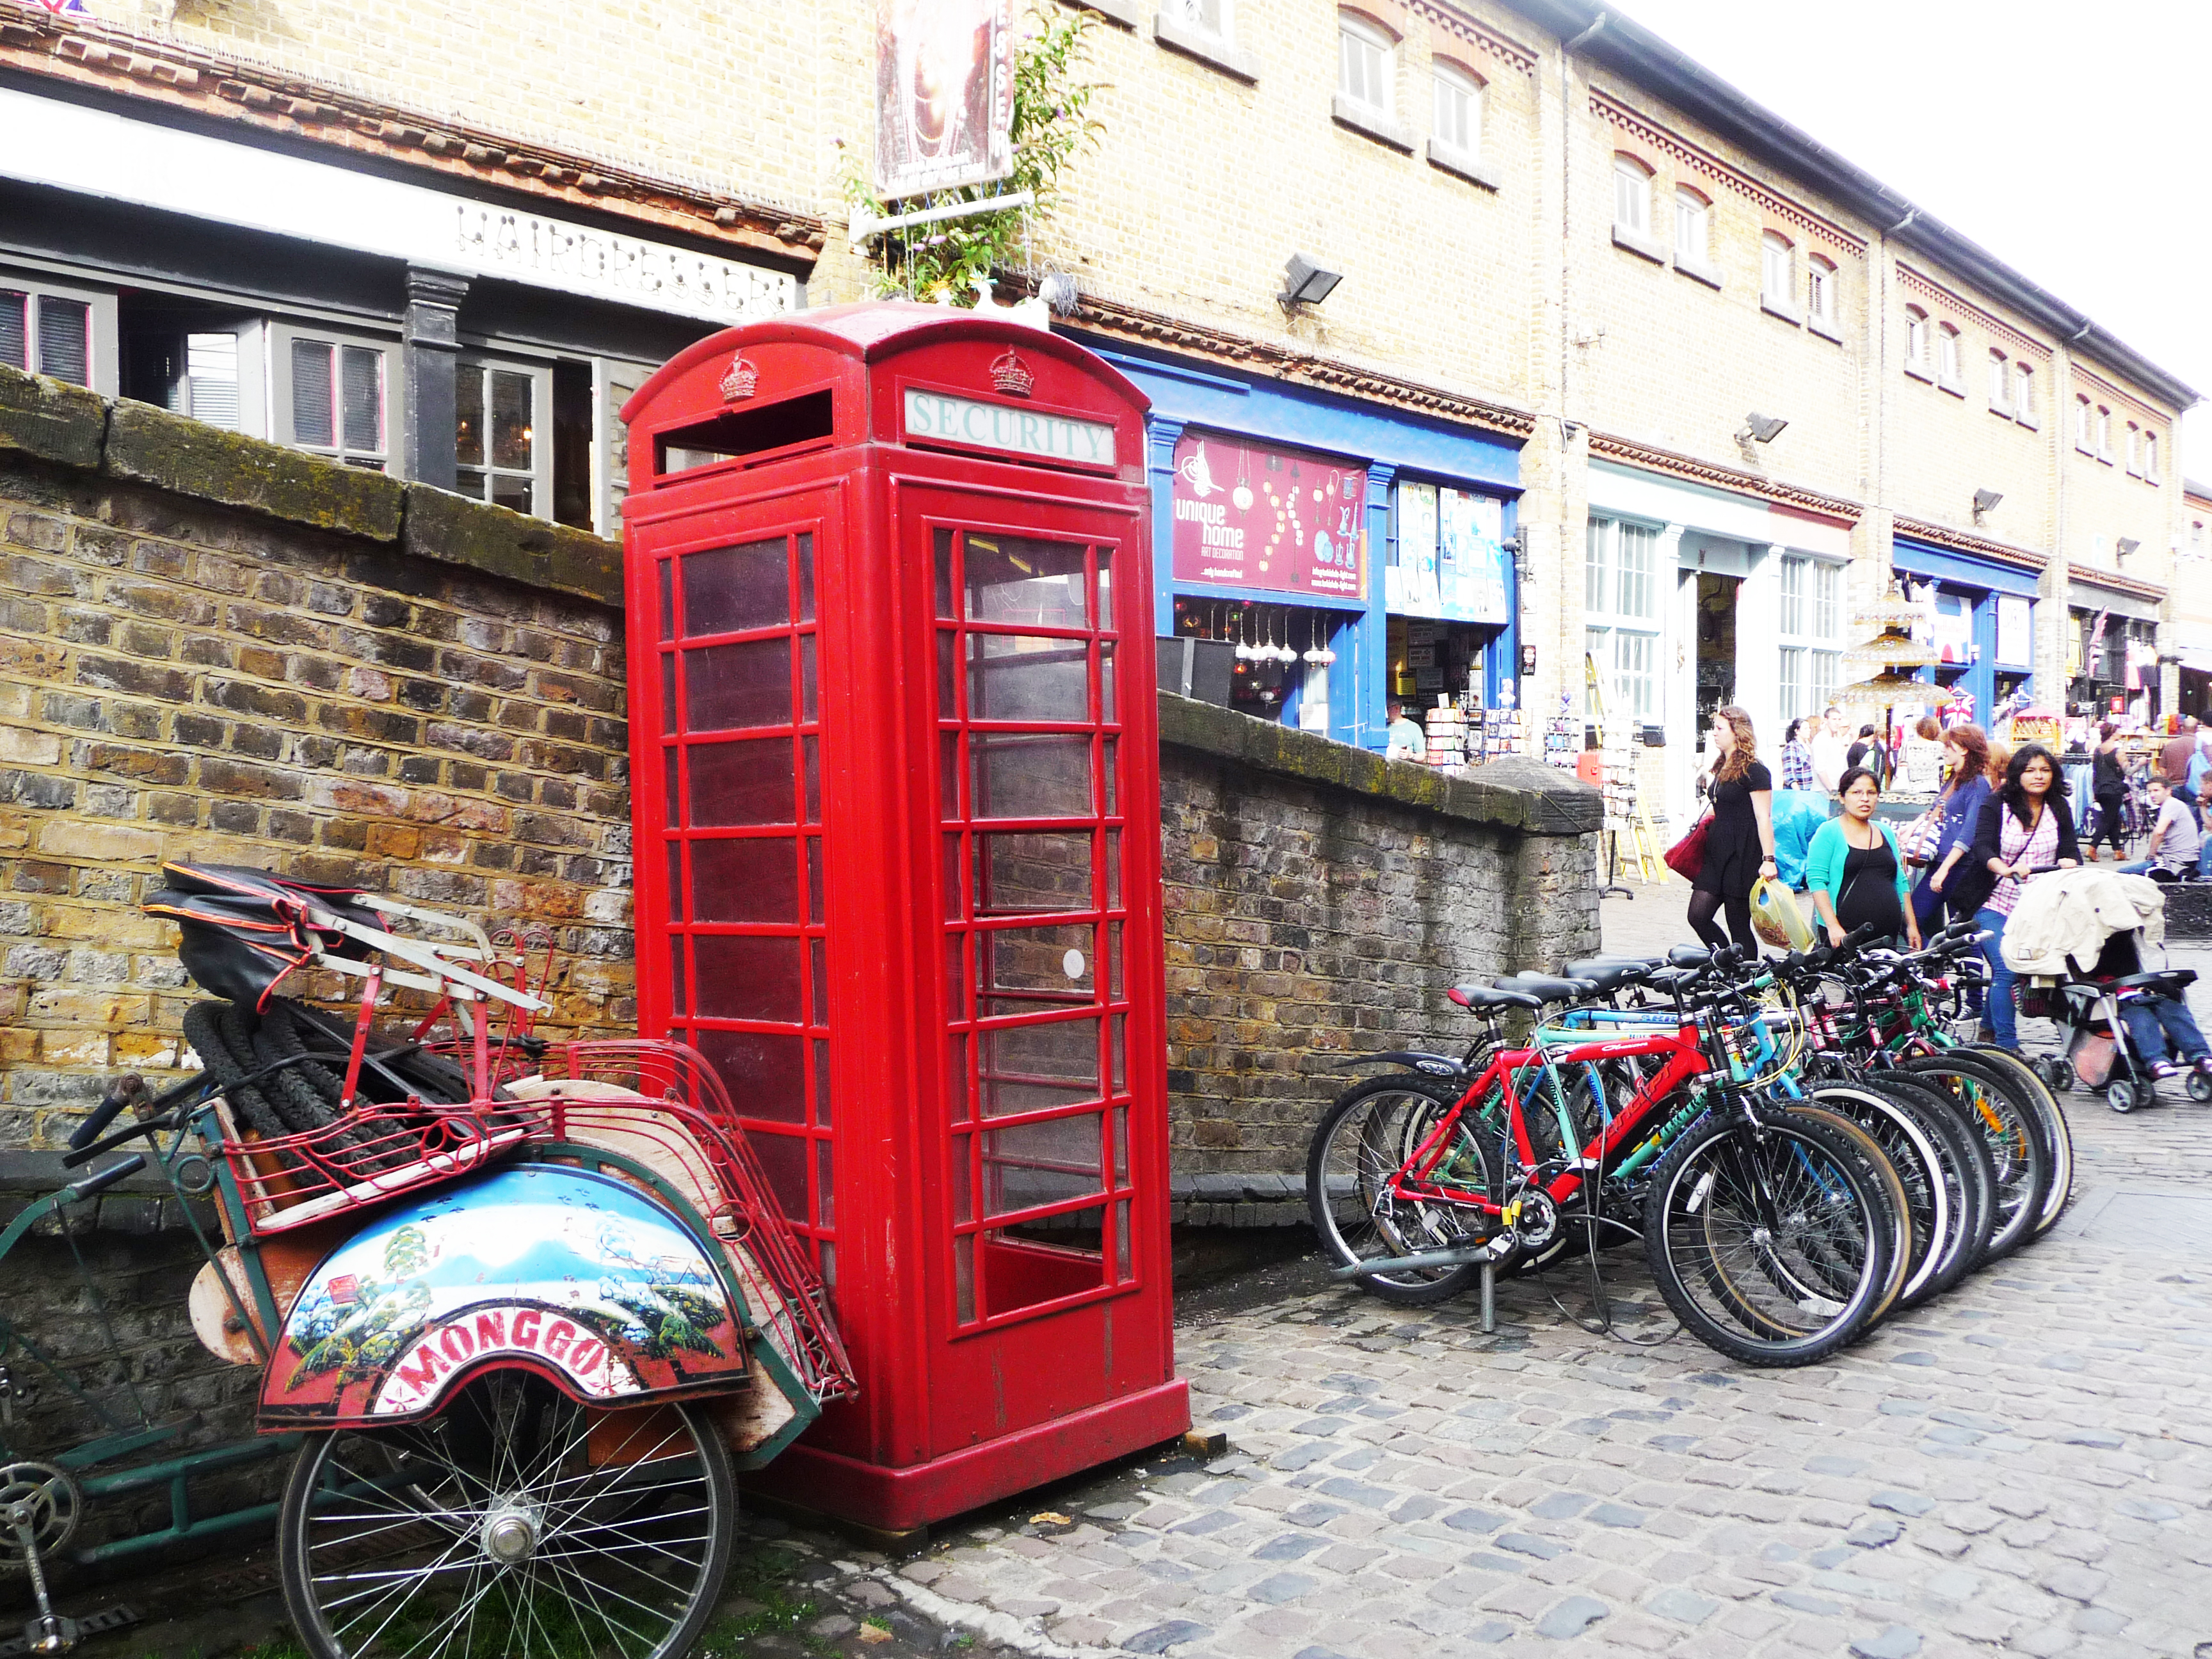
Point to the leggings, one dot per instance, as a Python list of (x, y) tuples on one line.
[(2112, 813), (1704, 905)]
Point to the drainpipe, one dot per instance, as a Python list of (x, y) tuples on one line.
[(1567, 50)]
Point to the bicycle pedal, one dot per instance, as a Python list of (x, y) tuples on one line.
[(55, 1634)]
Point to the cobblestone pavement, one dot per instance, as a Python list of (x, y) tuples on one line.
[(2024, 1467)]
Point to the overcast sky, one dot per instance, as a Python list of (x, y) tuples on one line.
[(2073, 142)]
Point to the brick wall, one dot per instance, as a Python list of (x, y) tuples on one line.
[(1320, 902), (289, 665)]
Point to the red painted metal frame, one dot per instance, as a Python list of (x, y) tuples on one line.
[(952, 1412)]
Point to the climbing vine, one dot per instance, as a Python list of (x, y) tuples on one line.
[(1051, 124)]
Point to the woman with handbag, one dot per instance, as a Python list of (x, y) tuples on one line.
[(1945, 886), (2026, 829), (1853, 870), (1738, 846)]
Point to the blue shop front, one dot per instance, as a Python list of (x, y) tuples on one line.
[(1985, 622), (1345, 553)]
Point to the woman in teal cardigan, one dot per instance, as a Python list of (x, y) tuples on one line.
[(1853, 871)]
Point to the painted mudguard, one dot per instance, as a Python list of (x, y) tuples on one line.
[(577, 1275)]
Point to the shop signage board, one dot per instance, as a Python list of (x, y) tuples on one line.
[(935, 415), (945, 94), (2041, 726), (1450, 564), (1250, 516), (2014, 641)]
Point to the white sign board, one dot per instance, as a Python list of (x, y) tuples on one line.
[(932, 415), (2015, 643)]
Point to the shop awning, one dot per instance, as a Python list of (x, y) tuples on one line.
[(1958, 569)]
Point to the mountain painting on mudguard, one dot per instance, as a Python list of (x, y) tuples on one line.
[(577, 1275)]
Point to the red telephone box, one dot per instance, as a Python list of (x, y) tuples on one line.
[(896, 787)]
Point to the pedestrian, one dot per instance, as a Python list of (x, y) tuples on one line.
[(2025, 830), (1798, 772), (1739, 843), (1798, 816), (1923, 764), (2173, 836), (1829, 745), (2108, 785), (2199, 764), (1954, 882), (1408, 740), (1854, 872), (2174, 756), (1860, 753)]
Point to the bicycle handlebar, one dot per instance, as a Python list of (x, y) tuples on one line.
[(120, 1093)]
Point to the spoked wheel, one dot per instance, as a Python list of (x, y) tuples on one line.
[(1374, 1128), (2200, 1086), (516, 1524)]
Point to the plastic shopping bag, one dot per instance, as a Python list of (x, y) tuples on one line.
[(1776, 918)]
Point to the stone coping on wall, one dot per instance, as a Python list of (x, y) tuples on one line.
[(69, 426), (1517, 793)]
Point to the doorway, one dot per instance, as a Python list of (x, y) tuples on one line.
[(1716, 646)]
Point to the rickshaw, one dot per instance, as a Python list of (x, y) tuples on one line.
[(521, 1308)]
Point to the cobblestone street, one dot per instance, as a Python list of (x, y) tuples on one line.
[(2021, 1468)]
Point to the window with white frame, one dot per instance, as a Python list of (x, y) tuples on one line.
[(1821, 291), (58, 331), (1693, 227), (1946, 356), (1811, 617), (2150, 457), (2103, 433), (1457, 107), (206, 383), (1214, 16), (2023, 394), (1366, 60), (2196, 536), (2133, 453), (331, 396), (1631, 196), (2085, 425), (2000, 384), (502, 451), (1777, 269), (1915, 340), (1620, 605)]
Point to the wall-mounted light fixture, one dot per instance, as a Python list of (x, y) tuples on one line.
[(2126, 545), (1986, 500), (1305, 283), (1761, 429)]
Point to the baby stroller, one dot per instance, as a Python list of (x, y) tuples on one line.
[(2102, 1054)]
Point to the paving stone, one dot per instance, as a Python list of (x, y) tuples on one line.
[(1684, 1606), (1804, 1601), (1572, 1617), (1288, 1546), (1281, 1587), (1159, 1639), (1903, 1503), (1617, 1514), (1895, 1642), (1522, 1543), (1876, 1531)]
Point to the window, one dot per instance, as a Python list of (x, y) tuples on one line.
[(1366, 61), (1212, 15), (50, 333), (2133, 454), (1915, 340), (1693, 227), (500, 451), (206, 387), (2104, 434), (1777, 277), (1458, 100), (1811, 628), (1821, 291), (2085, 429), (1621, 598), (1947, 357), (1632, 196), (2150, 457), (2023, 394), (332, 396), (2196, 536)]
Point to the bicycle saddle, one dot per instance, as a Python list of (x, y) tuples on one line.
[(1544, 988), (1610, 974), (1689, 955), (1479, 996)]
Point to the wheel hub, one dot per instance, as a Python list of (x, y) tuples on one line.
[(510, 1534)]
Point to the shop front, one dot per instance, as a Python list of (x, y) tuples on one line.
[(1347, 555), (1696, 598), (2193, 650), (2112, 645), (1982, 614)]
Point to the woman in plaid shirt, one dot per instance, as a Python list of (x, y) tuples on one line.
[(1797, 763)]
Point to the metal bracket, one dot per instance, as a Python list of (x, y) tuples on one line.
[(862, 225)]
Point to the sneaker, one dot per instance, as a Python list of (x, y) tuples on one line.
[(2162, 1069)]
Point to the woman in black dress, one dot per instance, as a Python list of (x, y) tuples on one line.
[(1740, 845), (2108, 786)]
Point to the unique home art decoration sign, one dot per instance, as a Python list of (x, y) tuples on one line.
[(1287, 520)]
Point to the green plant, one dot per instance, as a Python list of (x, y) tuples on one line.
[(1051, 124), (762, 1577)]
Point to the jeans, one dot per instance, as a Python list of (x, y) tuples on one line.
[(2000, 1010), (2154, 1019)]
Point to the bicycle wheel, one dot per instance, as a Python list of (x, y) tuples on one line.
[(1363, 1140), (2020, 1158), (1770, 1242), (2058, 1139), (517, 1524), (1933, 1193), (1908, 1242), (1965, 1162)]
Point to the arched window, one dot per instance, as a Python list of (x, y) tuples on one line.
[(1946, 356), (2134, 450), (1693, 227), (2000, 383), (1916, 338), (1820, 290), (2023, 394), (2085, 426), (1631, 196), (2150, 457), (1458, 108), (1777, 277), (1366, 62), (2104, 432)]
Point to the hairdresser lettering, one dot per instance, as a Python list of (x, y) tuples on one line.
[(931, 416)]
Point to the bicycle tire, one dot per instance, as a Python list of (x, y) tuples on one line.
[(1934, 1192), (2058, 1134), (250, 1108), (1367, 1133), (1908, 1244), (1966, 1158), (2020, 1158), (1842, 1200)]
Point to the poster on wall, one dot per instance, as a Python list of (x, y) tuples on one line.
[(2015, 643), (1451, 563), (1248, 515), (1951, 628), (945, 94)]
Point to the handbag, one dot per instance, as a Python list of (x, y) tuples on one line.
[(1917, 843), (1687, 857)]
